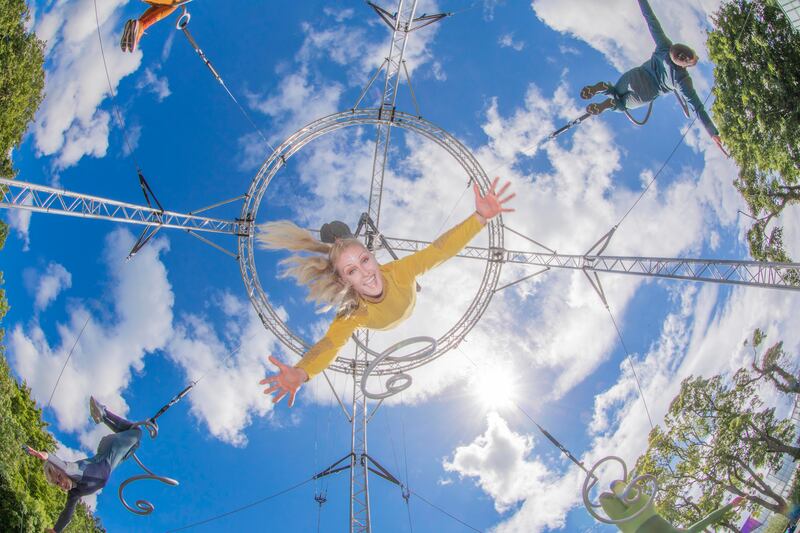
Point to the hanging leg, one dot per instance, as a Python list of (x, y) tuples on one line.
[(100, 413), (134, 29), (120, 446)]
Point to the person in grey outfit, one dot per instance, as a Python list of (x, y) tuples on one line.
[(87, 476), (665, 72)]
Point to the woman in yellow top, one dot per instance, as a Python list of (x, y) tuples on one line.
[(345, 276)]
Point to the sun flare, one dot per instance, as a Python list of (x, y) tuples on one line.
[(494, 387)]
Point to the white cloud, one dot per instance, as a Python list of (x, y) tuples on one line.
[(20, 221), (299, 100), (69, 123), (49, 285), (159, 86), (499, 459), (133, 320), (339, 15), (131, 142), (304, 94), (617, 29), (228, 395), (507, 41)]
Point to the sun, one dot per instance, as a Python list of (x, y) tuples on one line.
[(494, 386)]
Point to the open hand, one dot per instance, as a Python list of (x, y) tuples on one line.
[(287, 381), (491, 205), (36, 453), (718, 141)]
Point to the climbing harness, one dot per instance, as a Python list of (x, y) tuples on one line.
[(144, 507)]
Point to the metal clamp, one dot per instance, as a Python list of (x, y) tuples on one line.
[(184, 19), (398, 382)]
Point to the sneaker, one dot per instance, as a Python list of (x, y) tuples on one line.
[(96, 409), (130, 35), (596, 109), (588, 92)]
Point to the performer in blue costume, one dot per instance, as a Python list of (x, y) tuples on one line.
[(665, 72), (87, 476)]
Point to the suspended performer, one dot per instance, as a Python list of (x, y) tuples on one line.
[(135, 28), (87, 476), (665, 71), (342, 274)]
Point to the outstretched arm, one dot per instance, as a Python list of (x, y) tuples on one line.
[(685, 90), (714, 517), (69, 509), (289, 379), (454, 240), (661, 39)]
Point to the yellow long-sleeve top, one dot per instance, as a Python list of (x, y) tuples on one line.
[(396, 302)]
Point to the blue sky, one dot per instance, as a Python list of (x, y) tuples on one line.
[(497, 75)]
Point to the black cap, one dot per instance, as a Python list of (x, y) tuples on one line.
[(334, 230)]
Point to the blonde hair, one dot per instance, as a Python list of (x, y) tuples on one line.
[(317, 271), (52, 472)]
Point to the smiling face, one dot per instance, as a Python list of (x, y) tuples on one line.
[(358, 268)]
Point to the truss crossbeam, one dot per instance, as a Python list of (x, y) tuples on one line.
[(751, 273), (39, 198)]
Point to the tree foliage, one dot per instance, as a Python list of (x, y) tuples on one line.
[(27, 502), (717, 440), (21, 78), (774, 365), (757, 110)]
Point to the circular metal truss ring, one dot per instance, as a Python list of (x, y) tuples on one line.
[(277, 160)]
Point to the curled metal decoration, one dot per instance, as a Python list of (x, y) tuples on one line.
[(143, 507), (645, 484), (400, 381)]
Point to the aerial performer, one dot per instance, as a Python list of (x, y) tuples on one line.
[(87, 476), (665, 71), (342, 274), (135, 28), (636, 513)]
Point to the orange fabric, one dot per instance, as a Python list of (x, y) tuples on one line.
[(155, 13), (164, 2)]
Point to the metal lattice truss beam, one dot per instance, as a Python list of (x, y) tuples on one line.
[(751, 273), (42, 199), (400, 23)]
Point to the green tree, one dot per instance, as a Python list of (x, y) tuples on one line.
[(757, 108), (21, 78), (716, 441), (772, 365)]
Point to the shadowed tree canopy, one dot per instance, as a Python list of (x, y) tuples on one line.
[(757, 109), (21, 78)]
